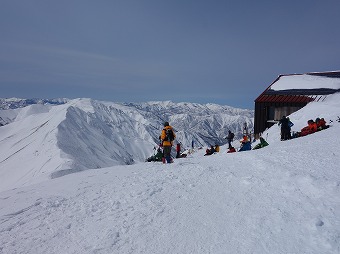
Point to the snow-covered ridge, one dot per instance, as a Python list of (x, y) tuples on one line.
[(50, 140)]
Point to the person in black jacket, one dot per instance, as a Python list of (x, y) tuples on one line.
[(210, 151), (285, 128), (230, 138)]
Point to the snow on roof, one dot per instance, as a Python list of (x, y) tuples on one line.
[(305, 81)]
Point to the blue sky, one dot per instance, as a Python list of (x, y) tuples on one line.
[(212, 51)]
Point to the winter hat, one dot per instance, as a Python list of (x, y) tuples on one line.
[(166, 124)]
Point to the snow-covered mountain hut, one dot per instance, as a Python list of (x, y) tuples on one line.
[(289, 93)]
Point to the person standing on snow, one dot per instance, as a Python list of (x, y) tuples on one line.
[(167, 138), (178, 150), (285, 128), (230, 138)]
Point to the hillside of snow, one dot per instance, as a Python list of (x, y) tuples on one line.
[(52, 139), (284, 198)]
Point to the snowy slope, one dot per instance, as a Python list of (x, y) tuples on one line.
[(29, 151), (284, 198), (8, 116), (54, 140)]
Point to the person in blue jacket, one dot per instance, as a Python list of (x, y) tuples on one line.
[(245, 144)]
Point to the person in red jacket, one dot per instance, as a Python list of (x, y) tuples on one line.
[(321, 123), (178, 150), (309, 129), (167, 138), (312, 126)]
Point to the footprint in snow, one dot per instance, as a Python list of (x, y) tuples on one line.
[(319, 223)]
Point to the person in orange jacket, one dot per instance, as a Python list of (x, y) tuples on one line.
[(321, 123), (312, 126), (167, 138), (309, 129)]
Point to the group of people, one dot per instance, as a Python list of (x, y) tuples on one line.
[(166, 139), (286, 126), (245, 144), (168, 135), (312, 126)]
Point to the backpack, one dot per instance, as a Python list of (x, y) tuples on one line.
[(230, 136), (169, 135)]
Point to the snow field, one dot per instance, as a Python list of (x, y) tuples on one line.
[(280, 199)]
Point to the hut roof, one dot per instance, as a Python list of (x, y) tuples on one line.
[(302, 88)]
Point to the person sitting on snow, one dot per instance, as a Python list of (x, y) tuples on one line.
[(262, 144), (210, 151), (231, 149), (183, 155), (321, 124), (245, 144), (311, 128), (157, 157)]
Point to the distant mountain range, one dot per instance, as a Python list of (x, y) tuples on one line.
[(13, 103), (86, 133)]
